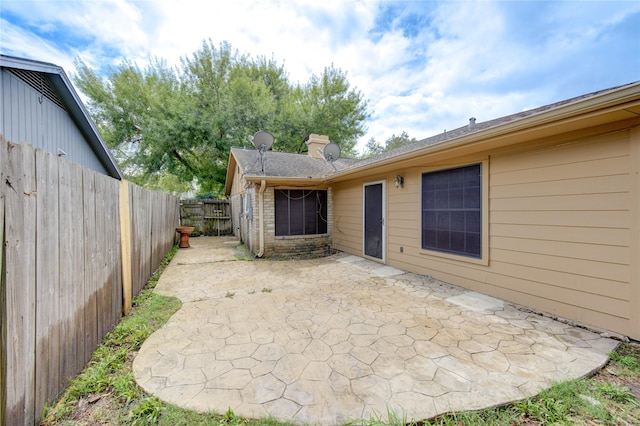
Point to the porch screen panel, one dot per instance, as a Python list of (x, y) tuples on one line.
[(282, 213), (300, 212), (296, 212)]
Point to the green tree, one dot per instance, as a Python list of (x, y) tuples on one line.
[(373, 147), (397, 141), (133, 109), (175, 126), (326, 105)]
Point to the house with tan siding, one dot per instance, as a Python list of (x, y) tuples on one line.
[(541, 208)]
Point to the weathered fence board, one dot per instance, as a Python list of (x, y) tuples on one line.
[(111, 278), (47, 285), (153, 221), (90, 263), (141, 233), (61, 275), (4, 165), (67, 194), (20, 276)]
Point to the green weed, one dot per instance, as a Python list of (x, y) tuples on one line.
[(393, 418), (147, 412), (615, 392), (630, 363)]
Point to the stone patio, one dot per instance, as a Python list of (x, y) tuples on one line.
[(332, 340)]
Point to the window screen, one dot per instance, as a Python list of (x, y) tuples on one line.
[(451, 210), (300, 212)]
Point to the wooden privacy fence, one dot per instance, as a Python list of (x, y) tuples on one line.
[(208, 217), (64, 267)]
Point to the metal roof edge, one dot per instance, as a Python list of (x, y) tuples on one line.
[(228, 181), (29, 64)]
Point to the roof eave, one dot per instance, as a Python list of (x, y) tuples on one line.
[(231, 168), (617, 99), (285, 180)]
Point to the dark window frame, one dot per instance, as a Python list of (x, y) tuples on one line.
[(300, 212), (452, 211)]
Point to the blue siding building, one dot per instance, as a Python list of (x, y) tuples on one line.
[(39, 106)]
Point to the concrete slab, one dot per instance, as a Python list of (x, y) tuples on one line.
[(476, 301), (337, 339), (387, 271)]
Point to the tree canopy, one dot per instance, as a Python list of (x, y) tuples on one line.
[(172, 128), (373, 147)]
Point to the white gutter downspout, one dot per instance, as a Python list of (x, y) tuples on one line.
[(263, 186)]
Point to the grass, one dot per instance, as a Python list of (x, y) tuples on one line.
[(628, 361), (242, 252), (106, 391)]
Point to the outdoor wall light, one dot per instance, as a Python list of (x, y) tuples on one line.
[(399, 182)]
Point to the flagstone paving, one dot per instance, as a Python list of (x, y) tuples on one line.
[(331, 340)]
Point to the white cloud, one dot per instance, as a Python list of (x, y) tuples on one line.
[(14, 39), (481, 65), (424, 66)]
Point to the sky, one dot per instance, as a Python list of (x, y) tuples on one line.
[(423, 66)]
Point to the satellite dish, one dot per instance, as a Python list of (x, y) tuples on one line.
[(331, 152), (263, 141)]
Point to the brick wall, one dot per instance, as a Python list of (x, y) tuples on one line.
[(247, 226), (301, 246), (236, 214)]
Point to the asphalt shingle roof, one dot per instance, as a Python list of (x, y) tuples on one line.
[(286, 164)]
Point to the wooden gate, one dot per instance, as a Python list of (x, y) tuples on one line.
[(208, 217)]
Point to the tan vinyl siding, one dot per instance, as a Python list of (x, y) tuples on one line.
[(560, 226), (347, 216), (634, 235), (561, 223), (403, 217)]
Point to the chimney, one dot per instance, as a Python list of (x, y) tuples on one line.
[(316, 144), (472, 122)]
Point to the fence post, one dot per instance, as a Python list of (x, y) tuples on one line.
[(125, 245), (202, 220)]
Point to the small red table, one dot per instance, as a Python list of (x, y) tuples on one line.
[(184, 235)]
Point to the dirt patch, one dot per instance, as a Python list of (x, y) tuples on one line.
[(96, 410), (103, 409)]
